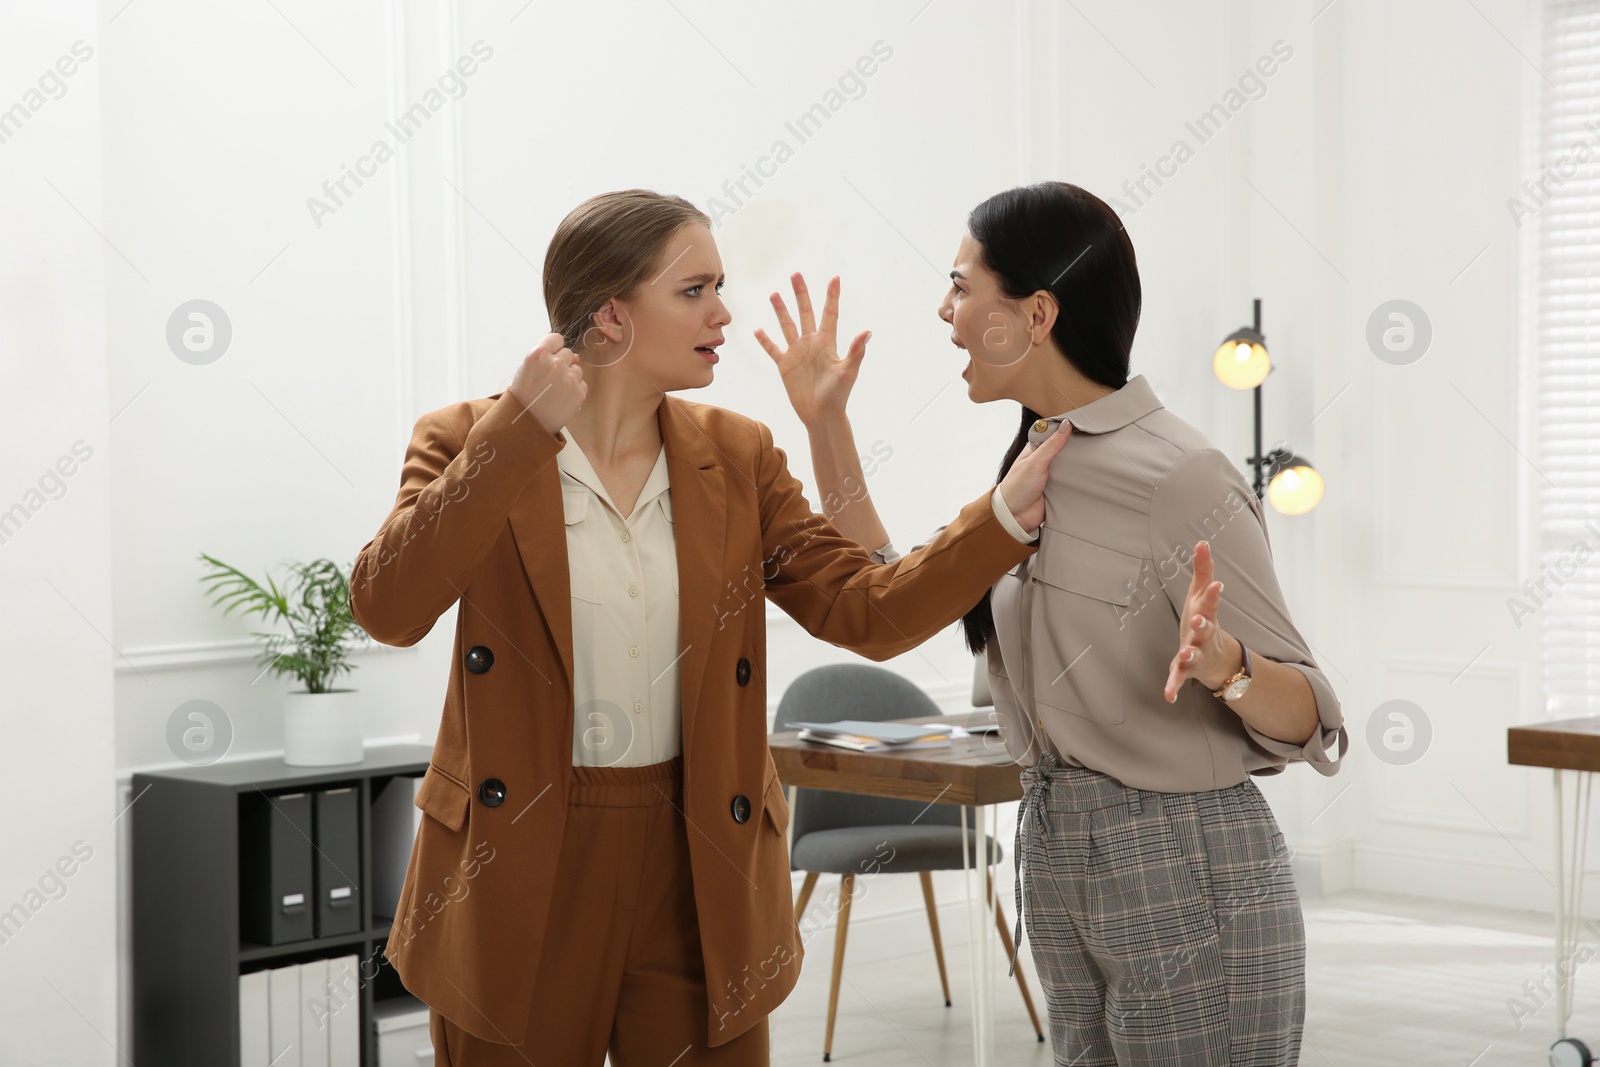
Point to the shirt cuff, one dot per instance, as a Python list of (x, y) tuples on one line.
[(1009, 521), (886, 554), (1326, 747)]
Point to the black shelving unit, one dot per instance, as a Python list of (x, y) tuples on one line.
[(187, 950)]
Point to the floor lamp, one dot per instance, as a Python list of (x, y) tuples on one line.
[(1287, 481)]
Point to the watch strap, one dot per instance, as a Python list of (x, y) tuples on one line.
[(1242, 672)]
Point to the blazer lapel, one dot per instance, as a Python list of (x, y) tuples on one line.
[(700, 511), (538, 521)]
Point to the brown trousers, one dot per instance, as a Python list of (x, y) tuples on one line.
[(621, 970)]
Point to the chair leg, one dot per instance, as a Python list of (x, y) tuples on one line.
[(847, 885), (805, 894), (1011, 947), (933, 924)]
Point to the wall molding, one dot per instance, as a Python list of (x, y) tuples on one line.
[(190, 656), (1398, 815), (454, 222), (1038, 84), (400, 236), (198, 655), (1384, 572), (1457, 879)]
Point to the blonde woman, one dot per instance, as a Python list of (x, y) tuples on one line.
[(1138, 696), (603, 864)]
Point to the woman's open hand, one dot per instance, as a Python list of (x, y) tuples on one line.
[(1204, 651), (1023, 486), (817, 380)]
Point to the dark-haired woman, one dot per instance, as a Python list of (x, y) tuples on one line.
[(1138, 696), (603, 866)]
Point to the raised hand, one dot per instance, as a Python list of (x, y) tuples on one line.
[(550, 384), (1204, 651), (817, 380)]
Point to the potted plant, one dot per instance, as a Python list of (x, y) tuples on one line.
[(321, 724)]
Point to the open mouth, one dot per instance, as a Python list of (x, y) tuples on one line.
[(708, 352)]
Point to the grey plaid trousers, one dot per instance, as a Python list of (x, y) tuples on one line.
[(1165, 927)]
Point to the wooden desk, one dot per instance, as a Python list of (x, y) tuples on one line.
[(1563, 745), (1566, 744), (974, 771)]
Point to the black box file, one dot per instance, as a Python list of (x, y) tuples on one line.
[(276, 894), (337, 814)]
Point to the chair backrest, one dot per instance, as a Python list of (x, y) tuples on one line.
[(857, 691)]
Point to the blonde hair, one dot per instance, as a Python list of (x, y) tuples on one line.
[(604, 248)]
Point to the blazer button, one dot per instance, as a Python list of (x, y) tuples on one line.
[(479, 659), (492, 792), (1041, 426), (742, 673), (741, 808)]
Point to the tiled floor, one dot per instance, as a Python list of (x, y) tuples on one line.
[(1391, 980)]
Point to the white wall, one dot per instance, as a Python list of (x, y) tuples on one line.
[(59, 837), (1374, 165), (1428, 127)]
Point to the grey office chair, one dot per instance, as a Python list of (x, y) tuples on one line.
[(845, 833)]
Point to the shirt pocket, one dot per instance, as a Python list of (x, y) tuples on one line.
[(583, 578), (1081, 642)]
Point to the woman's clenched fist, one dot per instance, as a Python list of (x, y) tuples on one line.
[(550, 383)]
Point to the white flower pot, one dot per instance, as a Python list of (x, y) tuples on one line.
[(322, 729)]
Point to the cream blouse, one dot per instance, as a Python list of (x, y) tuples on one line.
[(624, 572)]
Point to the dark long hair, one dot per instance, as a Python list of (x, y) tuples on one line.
[(1063, 239)]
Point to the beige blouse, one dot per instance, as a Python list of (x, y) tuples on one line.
[(627, 704), (1086, 628), (624, 572)]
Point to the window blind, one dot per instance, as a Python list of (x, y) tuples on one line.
[(1564, 198)]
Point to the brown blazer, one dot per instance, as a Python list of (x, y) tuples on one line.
[(479, 519)]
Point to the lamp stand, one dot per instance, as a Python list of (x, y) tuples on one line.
[(1258, 462)]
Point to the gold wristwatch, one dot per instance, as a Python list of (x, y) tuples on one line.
[(1235, 687)]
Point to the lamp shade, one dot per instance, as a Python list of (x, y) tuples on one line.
[(1294, 487), (1241, 361)]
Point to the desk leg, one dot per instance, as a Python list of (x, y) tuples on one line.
[(1561, 911), (1569, 896), (981, 931)]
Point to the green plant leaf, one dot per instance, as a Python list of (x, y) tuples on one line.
[(315, 604)]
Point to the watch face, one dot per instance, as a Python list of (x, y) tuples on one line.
[(1236, 690)]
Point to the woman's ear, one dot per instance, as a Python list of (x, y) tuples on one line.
[(1042, 312), (605, 327)]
